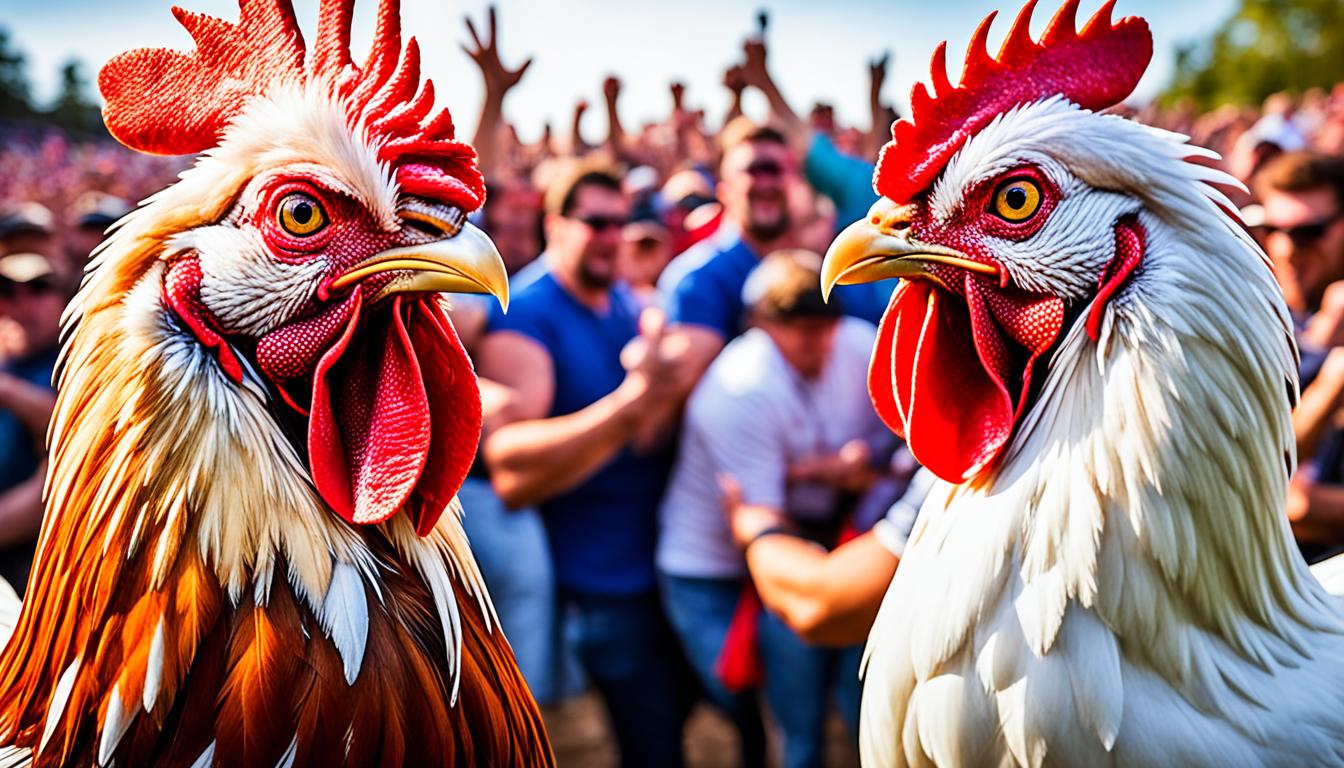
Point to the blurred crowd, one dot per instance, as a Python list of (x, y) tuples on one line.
[(669, 390)]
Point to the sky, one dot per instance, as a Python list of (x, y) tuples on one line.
[(819, 49)]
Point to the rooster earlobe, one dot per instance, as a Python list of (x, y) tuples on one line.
[(1130, 239)]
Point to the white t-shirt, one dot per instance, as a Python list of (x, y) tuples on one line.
[(751, 416)]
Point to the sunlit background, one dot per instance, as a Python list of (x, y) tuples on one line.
[(819, 50)]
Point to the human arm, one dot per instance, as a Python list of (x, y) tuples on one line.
[(533, 457), (878, 129), (577, 146), (757, 75), (828, 598), (31, 404), (1320, 402), (1315, 510), (21, 509), (498, 80), (734, 81), (611, 91)]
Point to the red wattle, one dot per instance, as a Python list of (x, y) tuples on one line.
[(953, 378), (395, 415)]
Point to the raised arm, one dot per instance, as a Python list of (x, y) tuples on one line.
[(757, 75), (735, 82), (577, 146), (534, 457), (879, 129), (498, 80), (611, 91)]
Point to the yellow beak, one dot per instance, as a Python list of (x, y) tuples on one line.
[(468, 262), (870, 249)]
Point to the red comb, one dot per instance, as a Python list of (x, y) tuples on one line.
[(172, 103), (1094, 68)]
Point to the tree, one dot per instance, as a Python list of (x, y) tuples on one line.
[(14, 92), (73, 110), (1266, 47)]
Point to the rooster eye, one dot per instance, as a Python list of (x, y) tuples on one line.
[(300, 215), (1017, 200)]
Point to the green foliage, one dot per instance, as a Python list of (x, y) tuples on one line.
[(73, 109), (14, 97), (1266, 47)]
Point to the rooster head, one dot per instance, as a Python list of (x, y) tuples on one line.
[(1007, 224), (307, 248)]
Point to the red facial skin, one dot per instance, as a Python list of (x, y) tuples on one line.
[(954, 376), (394, 413), (961, 371)]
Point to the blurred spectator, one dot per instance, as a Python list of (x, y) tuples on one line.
[(828, 598), (567, 446), (30, 296), (645, 250), (93, 212), (510, 545), (783, 410), (28, 227), (1302, 196)]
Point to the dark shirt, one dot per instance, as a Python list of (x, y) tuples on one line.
[(20, 453), (601, 532), (703, 286), (1327, 463)]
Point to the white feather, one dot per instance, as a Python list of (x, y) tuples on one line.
[(154, 668), (115, 725), (206, 758), (345, 617), (1124, 589), (59, 697)]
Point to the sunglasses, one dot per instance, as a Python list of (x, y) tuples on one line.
[(10, 289), (765, 168), (1303, 234), (599, 223)]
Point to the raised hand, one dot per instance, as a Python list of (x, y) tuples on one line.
[(678, 90), (734, 79), (877, 71), (611, 88), (753, 68), (498, 78)]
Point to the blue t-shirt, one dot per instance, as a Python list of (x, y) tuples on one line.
[(703, 286), (20, 453), (846, 180), (602, 533), (19, 450)]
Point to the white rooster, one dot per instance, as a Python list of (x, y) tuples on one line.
[(1098, 362)]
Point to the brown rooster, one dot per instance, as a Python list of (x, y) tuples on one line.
[(263, 416)]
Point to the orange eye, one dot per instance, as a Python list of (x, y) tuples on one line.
[(1017, 200), (300, 215)]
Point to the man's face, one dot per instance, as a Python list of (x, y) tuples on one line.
[(805, 343), (643, 256), (587, 241), (754, 189), (1305, 241), (36, 307)]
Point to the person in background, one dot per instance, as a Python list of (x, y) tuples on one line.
[(783, 410), (93, 212), (828, 598), (30, 296), (570, 445), (646, 249), (29, 227), (1302, 196)]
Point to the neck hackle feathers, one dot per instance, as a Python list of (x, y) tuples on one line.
[(1095, 67), (162, 101)]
